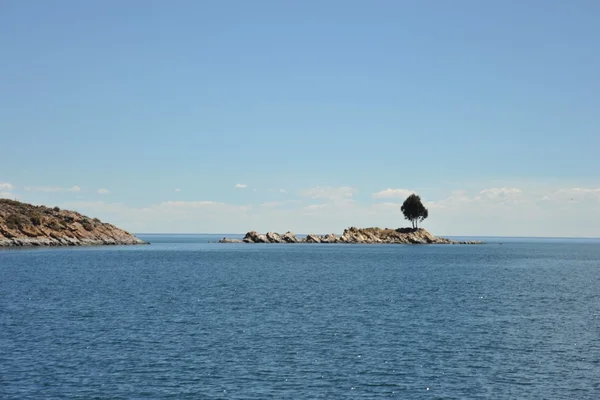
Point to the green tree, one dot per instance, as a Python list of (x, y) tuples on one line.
[(414, 210)]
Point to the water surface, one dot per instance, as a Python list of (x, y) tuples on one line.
[(184, 318)]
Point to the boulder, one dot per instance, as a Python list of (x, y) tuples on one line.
[(273, 237), (255, 237), (312, 239), (289, 237), (352, 235), (251, 237), (372, 238), (347, 237), (331, 238)]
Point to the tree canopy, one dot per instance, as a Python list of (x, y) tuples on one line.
[(414, 210)]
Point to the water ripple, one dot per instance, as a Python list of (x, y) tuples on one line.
[(189, 320)]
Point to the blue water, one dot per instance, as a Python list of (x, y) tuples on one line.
[(187, 319)]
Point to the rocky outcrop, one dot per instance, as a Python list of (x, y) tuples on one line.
[(24, 224), (254, 237), (273, 237), (289, 237), (354, 235), (269, 237), (312, 239), (331, 238)]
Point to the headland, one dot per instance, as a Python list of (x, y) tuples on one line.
[(23, 224)]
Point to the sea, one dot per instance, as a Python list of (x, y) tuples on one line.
[(188, 318)]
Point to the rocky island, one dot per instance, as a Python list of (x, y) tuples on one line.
[(352, 235), (24, 224)]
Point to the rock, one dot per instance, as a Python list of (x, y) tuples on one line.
[(347, 237), (289, 237), (273, 237), (255, 237), (331, 238), (355, 235), (251, 237), (312, 239), (23, 224), (352, 235), (227, 240), (418, 238)]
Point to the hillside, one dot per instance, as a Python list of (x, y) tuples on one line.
[(23, 224)]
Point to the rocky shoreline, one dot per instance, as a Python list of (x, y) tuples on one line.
[(352, 235), (24, 224)]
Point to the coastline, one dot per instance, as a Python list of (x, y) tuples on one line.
[(67, 241)]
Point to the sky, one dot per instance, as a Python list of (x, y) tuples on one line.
[(311, 116)]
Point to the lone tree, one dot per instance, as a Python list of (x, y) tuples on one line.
[(414, 210)]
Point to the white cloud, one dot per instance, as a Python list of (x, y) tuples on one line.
[(197, 209), (103, 191), (458, 198), (311, 207), (495, 192), (98, 207), (279, 204), (49, 189), (485, 197), (499, 211), (387, 206), (5, 191), (186, 204), (390, 193), (169, 216), (511, 211), (271, 204), (43, 188), (178, 190), (501, 194), (278, 190), (574, 195), (241, 186), (207, 205), (329, 193)]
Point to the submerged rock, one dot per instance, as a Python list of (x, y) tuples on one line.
[(227, 240)]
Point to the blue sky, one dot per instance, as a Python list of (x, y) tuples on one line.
[(489, 110)]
